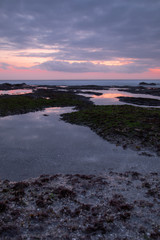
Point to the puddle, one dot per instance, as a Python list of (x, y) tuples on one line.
[(15, 91), (33, 144)]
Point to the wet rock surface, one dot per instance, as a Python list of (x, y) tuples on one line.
[(8, 86), (40, 99), (140, 101), (149, 84), (155, 91), (125, 125), (116, 206)]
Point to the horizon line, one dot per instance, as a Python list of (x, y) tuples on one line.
[(140, 79)]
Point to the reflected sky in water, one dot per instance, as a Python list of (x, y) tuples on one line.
[(15, 91), (109, 97), (33, 144)]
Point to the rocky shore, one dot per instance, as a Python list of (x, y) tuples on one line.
[(118, 206), (41, 98), (140, 101), (155, 91), (129, 126), (115, 206)]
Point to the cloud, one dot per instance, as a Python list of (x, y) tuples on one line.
[(71, 67), (84, 67), (4, 66), (85, 30)]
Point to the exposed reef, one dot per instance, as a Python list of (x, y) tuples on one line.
[(125, 125), (80, 207), (40, 99), (155, 91), (86, 207), (148, 84), (140, 101)]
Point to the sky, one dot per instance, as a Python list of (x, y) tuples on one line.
[(79, 39)]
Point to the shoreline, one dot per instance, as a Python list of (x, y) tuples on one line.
[(76, 206), (124, 125), (81, 207), (142, 135)]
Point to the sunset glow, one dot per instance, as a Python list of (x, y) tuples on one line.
[(156, 70), (111, 95), (27, 58), (62, 41), (118, 62)]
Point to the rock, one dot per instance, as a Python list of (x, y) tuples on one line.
[(3, 206), (150, 84)]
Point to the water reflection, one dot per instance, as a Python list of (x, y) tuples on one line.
[(41, 87), (58, 110), (109, 97), (15, 91), (33, 144)]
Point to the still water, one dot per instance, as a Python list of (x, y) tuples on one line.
[(15, 91), (109, 97), (32, 144)]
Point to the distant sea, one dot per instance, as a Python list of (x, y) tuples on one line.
[(83, 82)]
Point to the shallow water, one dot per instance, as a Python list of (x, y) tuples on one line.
[(109, 97), (32, 144), (15, 91)]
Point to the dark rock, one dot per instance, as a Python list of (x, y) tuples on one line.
[(63, 192), (135, 175), (3, 207), (40, 202), (8, 231), (140, 101), (97, 226), (15, 213), (155, 234), (150, 84), (146, 185), (124, 216), (152, 192), (20, 186), (118, 202)]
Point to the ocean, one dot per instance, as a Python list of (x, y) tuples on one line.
[(83, 82)]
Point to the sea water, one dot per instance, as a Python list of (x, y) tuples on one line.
[(109, 82), (33, 144)]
